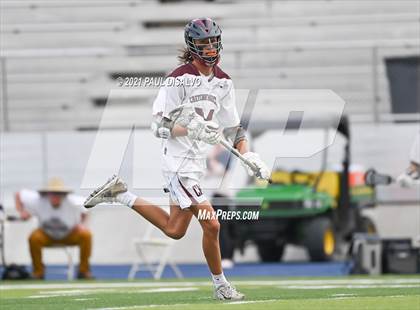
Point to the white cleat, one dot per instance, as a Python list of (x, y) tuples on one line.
[(106, 192), (227, 292)]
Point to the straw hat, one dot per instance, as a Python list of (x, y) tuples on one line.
[(55, 185)]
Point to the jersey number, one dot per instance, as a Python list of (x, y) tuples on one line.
[(200, 112), (197, 190)]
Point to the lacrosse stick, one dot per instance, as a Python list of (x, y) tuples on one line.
[(185, 113), (373, 178), (250, 164)]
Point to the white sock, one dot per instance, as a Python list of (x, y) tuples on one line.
[(126, 198), (219, 279)]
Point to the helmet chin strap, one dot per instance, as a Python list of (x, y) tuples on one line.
[(204, 63)]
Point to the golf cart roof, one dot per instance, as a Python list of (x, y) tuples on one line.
[(295, 121)]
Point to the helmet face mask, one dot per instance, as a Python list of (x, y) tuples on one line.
[(204, 41), (207, 52)]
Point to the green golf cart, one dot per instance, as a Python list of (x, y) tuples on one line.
[(319, 210)]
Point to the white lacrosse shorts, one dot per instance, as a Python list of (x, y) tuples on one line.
[(184, 188)]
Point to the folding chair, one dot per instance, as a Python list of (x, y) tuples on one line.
[(143, 262), (70, 261)]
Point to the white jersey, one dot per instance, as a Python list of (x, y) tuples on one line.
[(213, 98), (56, 222)]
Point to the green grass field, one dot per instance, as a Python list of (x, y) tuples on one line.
[(382, 293)]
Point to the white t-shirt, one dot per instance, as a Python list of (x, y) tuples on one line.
[(56, 222), (213, 98)]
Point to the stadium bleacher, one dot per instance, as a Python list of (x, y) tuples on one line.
[(62, 57)]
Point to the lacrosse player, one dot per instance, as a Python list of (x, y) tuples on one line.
[(194, 110)]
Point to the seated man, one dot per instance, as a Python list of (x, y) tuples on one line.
[(61, 216)]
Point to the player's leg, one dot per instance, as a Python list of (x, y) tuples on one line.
[(179, 220), (81, 237), (152, 213), (211, 229), (188, 194), (223, 290), (37, 240), (185, 189), (174, 224)]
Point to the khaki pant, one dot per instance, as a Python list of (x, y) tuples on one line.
[(39, 239)]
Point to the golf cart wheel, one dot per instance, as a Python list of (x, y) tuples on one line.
[(320, 239), (270, 250), (367, 226)]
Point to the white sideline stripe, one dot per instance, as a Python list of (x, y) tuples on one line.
[(343, 295), (163, 289), (351, 297), (139, 307), (169, 289), (72, 292), (240, 302), (183, 305), (57, 295), (45, 296), (348, 286), (50, 294), (226, 304), (189, 284)]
